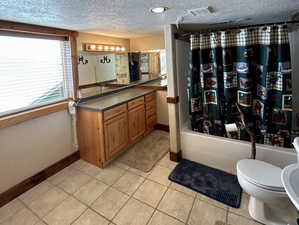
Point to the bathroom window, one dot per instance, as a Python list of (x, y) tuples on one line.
[(33, 71)]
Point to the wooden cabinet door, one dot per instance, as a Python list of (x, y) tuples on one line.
[(136, 122), (116, 135)]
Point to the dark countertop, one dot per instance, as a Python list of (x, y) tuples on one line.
[(112, 100)]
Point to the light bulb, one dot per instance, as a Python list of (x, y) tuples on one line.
[(123, 49), (100, 47), (117, 48), (112, 48), (106, 48), (92, 47)]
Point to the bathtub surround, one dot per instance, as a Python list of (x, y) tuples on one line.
[(218, 152), (250, 66)]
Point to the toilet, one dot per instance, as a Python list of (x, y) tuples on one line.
[(268, 202)]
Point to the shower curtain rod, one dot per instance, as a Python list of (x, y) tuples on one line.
[(184, 36)]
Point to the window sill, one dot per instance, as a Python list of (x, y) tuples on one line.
[(19, 117)]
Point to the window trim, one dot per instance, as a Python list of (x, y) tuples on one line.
[(20, 29), (32, 113)]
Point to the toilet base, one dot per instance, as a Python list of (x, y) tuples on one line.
[(259, 211)]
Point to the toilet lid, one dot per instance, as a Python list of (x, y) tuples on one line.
[(261, 173)]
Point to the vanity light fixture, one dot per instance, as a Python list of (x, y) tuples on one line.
[(158, 9), (90, 47)]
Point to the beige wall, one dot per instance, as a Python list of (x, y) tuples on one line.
[(100, 39), (147, 43), (162, 108), (31, 146)]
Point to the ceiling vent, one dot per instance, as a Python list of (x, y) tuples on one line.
[(194, 13), (200, 11)]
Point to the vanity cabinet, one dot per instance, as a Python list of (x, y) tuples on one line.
[(116, 135), (151, 111), (103, 135), (136, 118)]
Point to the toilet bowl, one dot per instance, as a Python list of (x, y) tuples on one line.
[(268, 202)]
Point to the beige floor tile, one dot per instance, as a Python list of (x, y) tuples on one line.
[(176, 204), (128, 183), (109, 203), (205, 214), (85, 167), (64, 214), (238, 220), (40, 223), (160, 175), (166, 162), (212, 201), (78, 165), (89, 217), (150, 192), (10, 209), (110, 174), (60, 176), (160, 218), (139, 172), (48, 201), (183, 189), (75, 180), (22, 217), (243, 210), (91, 170), (134, 213), (35, 192), (120, 165), (89, 192)]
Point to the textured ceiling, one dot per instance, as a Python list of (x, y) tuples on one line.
[(131, 18)]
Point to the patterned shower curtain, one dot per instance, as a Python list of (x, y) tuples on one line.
[(250, 67)]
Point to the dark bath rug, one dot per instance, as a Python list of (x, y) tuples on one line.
[(214, 183)]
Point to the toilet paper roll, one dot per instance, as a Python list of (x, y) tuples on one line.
[(232, 127)]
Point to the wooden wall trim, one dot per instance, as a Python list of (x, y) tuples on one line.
[(19, 117), (75, 71), (30, 28), (30, 182), (175, 156), (173, 100), (160, 126)]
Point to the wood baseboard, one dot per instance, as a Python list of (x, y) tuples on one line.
[(160, 126), (34, 180), (175, 156)]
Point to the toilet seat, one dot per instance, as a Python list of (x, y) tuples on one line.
[(261, 174)]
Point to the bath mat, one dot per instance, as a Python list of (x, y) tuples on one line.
[(214, 183), (147, 152)]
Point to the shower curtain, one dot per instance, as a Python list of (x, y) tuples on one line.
[(250, 67)]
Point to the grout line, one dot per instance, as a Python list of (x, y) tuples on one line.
[(191, 209)]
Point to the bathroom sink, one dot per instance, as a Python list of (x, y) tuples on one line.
[(290, 180)]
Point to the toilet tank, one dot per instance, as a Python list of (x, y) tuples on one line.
[(296, 145)]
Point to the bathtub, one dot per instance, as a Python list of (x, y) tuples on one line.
[(223, 153)]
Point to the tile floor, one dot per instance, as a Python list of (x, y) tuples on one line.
[(83, 194)]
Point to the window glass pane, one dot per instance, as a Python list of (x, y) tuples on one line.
[(31, 72)]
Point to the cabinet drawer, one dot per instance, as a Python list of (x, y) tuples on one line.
[(150, 112), (150, 97), (136, 102), (110, 113), (151, 122), (151, 105)]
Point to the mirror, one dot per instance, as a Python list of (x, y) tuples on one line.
[(105, 71)]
